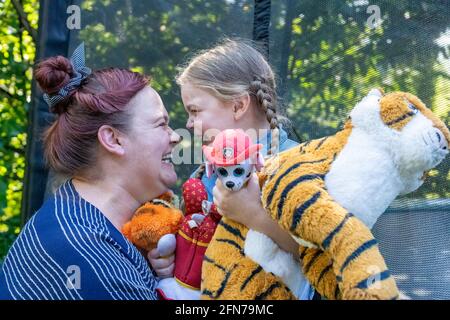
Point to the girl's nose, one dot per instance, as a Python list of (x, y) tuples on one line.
[(189, 124)]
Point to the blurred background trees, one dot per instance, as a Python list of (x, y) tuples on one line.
[(326, 54), (18, 33)]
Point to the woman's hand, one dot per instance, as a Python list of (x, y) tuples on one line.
[(163, 266), (244, 206)]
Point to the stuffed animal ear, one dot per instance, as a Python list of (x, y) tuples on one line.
[(209, 169), (259, 162), (376, 92)]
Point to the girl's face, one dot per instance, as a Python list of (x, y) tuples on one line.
[(206, 112), (149, 145)]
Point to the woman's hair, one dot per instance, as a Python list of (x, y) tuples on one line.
[(231, 69), (70, 143)]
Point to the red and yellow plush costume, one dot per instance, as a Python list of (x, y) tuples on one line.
[(193, 239)]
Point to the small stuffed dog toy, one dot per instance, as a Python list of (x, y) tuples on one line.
[(233, 157)]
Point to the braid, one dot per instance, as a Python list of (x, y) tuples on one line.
[(266, 96)]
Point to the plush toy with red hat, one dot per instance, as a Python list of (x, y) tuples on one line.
[(233, 157)]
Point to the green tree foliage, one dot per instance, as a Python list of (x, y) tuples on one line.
[(328, 56), (18, 24)]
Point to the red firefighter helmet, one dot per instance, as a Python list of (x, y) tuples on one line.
[(230, 147)]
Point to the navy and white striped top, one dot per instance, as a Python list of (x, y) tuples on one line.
[(69, 250)]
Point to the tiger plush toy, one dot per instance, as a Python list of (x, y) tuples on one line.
[(328, 193)]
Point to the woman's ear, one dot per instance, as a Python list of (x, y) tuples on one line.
[(241, 106), (111, 140)]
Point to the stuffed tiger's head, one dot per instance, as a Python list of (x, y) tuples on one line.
[(401, 124)]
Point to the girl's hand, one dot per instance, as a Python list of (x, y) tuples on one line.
[(163, 266), (243, 206)]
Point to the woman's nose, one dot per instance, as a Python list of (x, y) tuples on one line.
[(175, 138)]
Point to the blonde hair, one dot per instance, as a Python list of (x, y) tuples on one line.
[(232, 68)]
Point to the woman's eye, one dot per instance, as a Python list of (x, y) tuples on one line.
[(222, 172), (238, 172)]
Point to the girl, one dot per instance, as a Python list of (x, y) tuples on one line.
[(232, 86)]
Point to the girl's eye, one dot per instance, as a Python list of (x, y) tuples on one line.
[(238, 172), (222, 172)]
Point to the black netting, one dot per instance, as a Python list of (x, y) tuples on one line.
[(414, 240)]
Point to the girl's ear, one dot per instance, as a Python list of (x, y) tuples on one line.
[(241, 105)]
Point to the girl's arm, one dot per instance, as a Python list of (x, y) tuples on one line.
[(244, 206)]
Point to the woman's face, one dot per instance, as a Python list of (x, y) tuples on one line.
[(207, 112), (151, 141)]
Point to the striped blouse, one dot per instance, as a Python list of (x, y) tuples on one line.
[(70, 250)]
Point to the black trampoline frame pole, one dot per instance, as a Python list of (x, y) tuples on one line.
[(261, 23), (53, 39)]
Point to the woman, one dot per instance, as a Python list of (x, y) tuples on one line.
[(112, 137)]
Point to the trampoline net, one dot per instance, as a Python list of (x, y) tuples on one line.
[(327, 55), (414, 240)]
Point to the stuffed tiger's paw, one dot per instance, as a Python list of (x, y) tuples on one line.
[(261, 249)]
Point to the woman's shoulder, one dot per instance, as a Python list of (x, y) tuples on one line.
[(65, 237), (67, 225)]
